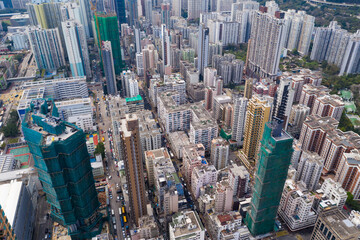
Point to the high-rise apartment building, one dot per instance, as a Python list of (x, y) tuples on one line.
[(333, 191), (203, 47), (335, 145), (271, 173), (348, 173), (334, 224), (300, 27), (296, 206), (64, 169), (266, 43), (195, 7), (107, 29), (165, 44), (351, 60), (257, 114), (46, 14), (309, 169), (133, 12), (238, 120), (297, 117), (219, 156), (77, 49), (109, 70), (330, 44), (224, 192), (131, 147), (328, 105), (314, 131), (47, 48), (201, 176), (283, 101)]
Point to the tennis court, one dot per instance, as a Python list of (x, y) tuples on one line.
[(22, 154)]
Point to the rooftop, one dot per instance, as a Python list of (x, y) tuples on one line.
[(324, 123), (185, 224), (340, 224)]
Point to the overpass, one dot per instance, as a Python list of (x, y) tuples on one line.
[(20, 79)]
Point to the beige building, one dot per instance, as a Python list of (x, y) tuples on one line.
[(224, 196), (257, 114), (186, 225), (219, 153), (333, 224), (131, 145)]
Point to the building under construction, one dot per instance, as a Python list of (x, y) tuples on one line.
[(63, 164), (107, 30)]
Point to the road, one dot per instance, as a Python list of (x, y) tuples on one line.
[(104, 124)]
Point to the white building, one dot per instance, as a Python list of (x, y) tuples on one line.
[(309, 169), (333, 191), (186, 225), (16, 201), (76, 47), (228, 226), (78, 111), (202, 176), (238, 120), (130, 84), (267, 40), (62, 88), (173, 82), (20, 40), (97, 167), (350, 63), (140, 64), (219, 153), (296, 206)]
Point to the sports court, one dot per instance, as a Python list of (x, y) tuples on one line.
[(21, 153)]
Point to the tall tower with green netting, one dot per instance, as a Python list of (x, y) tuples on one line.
[(106, 26), (63, 164), (271, 172)]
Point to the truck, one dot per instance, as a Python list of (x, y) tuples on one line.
[(122, 222), (112, 212), (123, 209), (125, 219), (120, 212)]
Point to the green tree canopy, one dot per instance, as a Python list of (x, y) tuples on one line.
[(100, 149)]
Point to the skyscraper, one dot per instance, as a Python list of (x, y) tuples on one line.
[(351, 61), (195, 7), (257, 114), (271, 173), (47, 48), (76, 47), (219, 153), (46, 14), (165, 13), (107, 30), (203, 48), (85, 14), (238, 121), (266, 43), (131, 146), (107, 57), (133, 12), (165, 44), (63, 164), (120, 11), (283, 100)]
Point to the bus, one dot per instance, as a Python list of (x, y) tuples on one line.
[(125, 219), (123, 209), (120, 212)]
